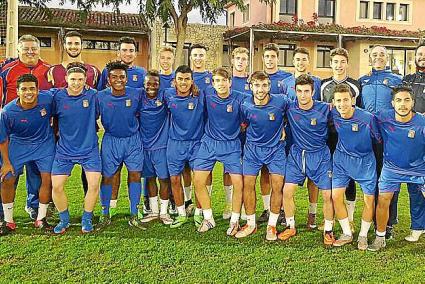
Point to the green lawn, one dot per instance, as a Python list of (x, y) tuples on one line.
[(121, 254)]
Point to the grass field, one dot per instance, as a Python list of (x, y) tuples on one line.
[(121, 254)]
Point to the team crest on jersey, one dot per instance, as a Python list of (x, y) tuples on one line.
[(411, 134), (135, 79), (354, 127), (207, 80), (229, 108), (128, 103), (272, 117), (385, 82), (85, 103), (247, 87), (330, 174), (190, 106), (43, 112), (313, 121), (158, 103)]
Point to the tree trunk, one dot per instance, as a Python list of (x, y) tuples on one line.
[(180, 29)]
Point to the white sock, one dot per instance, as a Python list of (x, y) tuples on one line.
[(228, 190), (380, 234), (234, 217), (273, 219), (207, 214), (312, 208), (290, 222), (198, 211), (364, 229), (328, 225), (187, 192), (209, 188), (181, 210), (42, 210), (8, 212), (250, 220), (345, 226), (266, 201), (351, 206), (113, 203), (153, 202), (164, 206)]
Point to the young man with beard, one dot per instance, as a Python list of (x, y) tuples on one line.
[(121, 143), (26, 136), (220, 143), (353, 159), (28, 62), (309, 155), (339, 65), (401, 129), (76, 109), (73, 46), (417, 82), (186, 110), (376, 96), (264, 115), (126, 54), (154, 128)]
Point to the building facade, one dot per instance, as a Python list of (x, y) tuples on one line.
[(321, 25)]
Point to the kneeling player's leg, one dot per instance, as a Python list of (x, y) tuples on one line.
[(45, 195), (8, 198), (134, 191), (106, 194), (265, 187), (249, 201), (275, 201)]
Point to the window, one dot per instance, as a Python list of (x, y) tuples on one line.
[(323, 56), (390, 10), (103, 45), (232, 19), (45, 41), (288, 7), (364, 9), (246, 14), (326, 8), (286, 54), (2, 40), (377, 10), (403, 14)]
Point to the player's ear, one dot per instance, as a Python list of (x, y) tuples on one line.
[(353, 101), (392, 103)]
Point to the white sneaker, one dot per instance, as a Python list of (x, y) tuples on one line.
[(414, 236), (166, 219), (149, 217), (206, 225), (233, 229), (227, 212)]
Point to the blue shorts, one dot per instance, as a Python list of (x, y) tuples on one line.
[(390, 181), (317, 166), (360, 169), (41, 155), (63, 165), (255, 157), (155, 163), (227, 152), (118, 150), (179, 153)]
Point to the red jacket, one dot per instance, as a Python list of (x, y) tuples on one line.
[(11, 72)]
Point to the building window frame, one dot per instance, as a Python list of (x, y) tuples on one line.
[(391, 15), (286, 54), (323, 56), (375, 16), (232, 19), (286, 12), (246, 14), (366, 14), (406, 18), (330, 5)]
